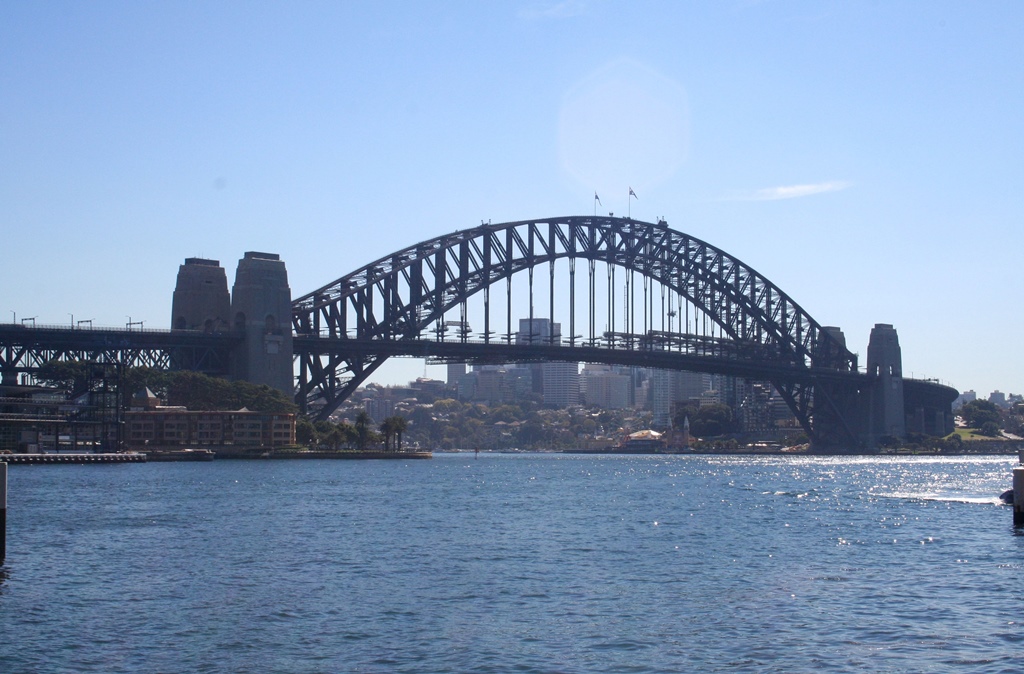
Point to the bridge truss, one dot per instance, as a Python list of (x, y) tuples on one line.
[(28, 349), (637, 293)]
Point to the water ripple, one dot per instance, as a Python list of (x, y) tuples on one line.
[(526, 563)]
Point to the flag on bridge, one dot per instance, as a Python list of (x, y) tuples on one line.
[(633, 194), (597, 198)]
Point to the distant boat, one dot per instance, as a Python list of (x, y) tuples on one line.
[(181, 455)]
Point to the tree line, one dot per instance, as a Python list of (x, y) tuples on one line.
[(193, 390), (360, 434), (990, 420)]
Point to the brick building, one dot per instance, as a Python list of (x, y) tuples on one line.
[(177, 427)]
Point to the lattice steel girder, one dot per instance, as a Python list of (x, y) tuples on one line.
[(26, 349), (799, 386), (735, 362)]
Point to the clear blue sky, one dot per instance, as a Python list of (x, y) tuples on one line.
[(867, 157)]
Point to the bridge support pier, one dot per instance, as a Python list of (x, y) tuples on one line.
[(840, 418), (261, 304), (870, 414), (201, 300), (886, 408)]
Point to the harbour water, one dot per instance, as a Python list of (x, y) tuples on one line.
[(514, 563)]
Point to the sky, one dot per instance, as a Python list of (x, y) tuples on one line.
[(867, 157)]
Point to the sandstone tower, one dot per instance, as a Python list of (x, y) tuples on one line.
[(885, 361), (261, 309), (201, 300)]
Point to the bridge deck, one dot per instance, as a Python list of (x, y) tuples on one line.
[(736, 363)]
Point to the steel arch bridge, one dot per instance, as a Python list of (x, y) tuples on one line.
[(642, 294)]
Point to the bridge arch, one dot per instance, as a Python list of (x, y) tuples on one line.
[(405, 303)]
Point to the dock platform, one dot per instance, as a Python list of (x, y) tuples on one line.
[(121, 457)]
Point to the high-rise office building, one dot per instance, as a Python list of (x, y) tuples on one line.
[(558, 382), (455, 373)]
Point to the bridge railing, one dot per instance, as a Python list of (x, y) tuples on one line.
[(652, 342), (100, 328)]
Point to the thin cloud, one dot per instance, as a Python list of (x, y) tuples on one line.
[(791, 191), (561, 10)]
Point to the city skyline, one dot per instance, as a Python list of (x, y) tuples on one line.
[(862, 158)]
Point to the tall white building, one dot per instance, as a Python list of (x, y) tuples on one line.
[(689, 385), (561, 383), (538, 331), (558, 382), (455, 373), (964, 398), (489, 384), (661, 397), (606, 387), (666, 388)]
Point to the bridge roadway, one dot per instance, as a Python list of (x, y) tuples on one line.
[(26, 349), (726, 358)]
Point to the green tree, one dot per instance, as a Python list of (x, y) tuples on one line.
[(401, 425), (447, 406), (688, 410), (709, 420), (393, 427), (1013, 420), (346, 433), (198, 391), (323, 429), (506, 413), (387, 429), (990, 428), (534, 432), (335, 437), (364, 432), (979, 412), (305, 432), (74, 377), (135, 379)]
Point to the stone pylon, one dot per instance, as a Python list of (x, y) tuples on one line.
[(261, 307)]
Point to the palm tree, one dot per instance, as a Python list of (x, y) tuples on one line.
[(335, 437), (400, 427), (393, 427), (363, 429), (387, 427)]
